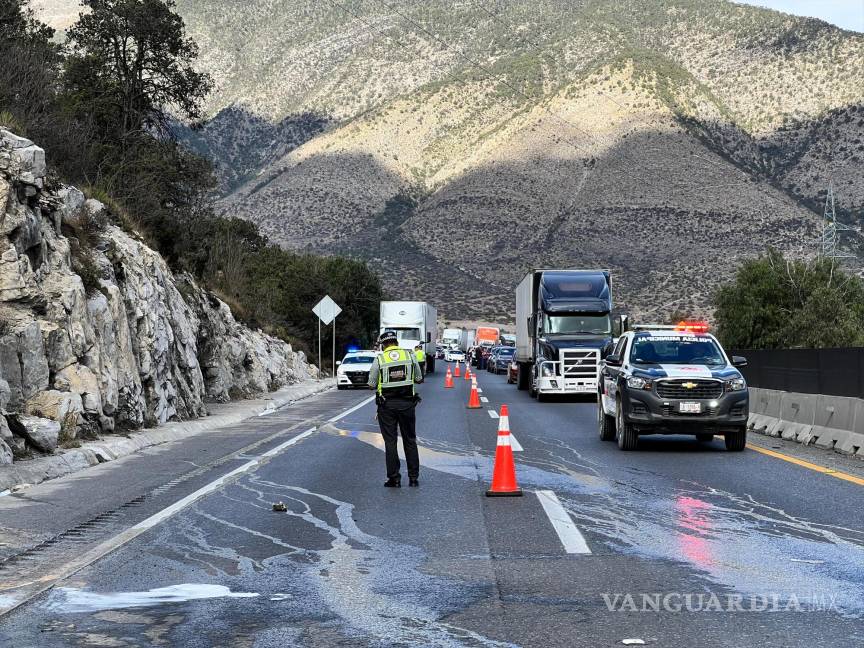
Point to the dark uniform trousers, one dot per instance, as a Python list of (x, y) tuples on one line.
[(399, 412)]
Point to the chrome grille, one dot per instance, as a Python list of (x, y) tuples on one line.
[(580, 363), (701, 389)]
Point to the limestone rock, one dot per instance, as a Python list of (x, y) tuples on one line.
[(43, 434), (5, 395), (6, 455), (56, 405), (147, 348)]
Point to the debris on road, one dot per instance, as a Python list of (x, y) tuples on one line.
[(279, 507)]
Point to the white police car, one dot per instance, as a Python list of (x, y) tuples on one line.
[(353, 370), (675, 380)]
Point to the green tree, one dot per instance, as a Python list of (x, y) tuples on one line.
[(776, 303), (30, 63), (132, 62)]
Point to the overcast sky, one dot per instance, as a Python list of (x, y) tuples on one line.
[(848, 14)]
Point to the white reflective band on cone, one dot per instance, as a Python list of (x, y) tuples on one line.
[(503, 439), (504, 423)]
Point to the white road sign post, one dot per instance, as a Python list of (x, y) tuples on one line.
[(327, 310)]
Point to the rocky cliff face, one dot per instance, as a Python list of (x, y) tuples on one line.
[(137, 346)]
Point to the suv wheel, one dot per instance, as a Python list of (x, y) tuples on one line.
[(624, 432), (736, 441), (605, 422)]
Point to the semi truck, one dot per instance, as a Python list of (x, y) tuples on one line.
[(451, 337), (415, 323), (563, 329)]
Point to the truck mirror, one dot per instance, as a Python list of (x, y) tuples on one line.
[(338, 362), (739, 361), (624, 323), (613, 360)]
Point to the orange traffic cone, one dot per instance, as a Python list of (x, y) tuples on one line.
[(468, 373), (504, 474), (474, 399), (457, 372), (448, 379)]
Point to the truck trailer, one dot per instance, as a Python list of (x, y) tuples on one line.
[(487, 336), (415, 323), (563, 329)]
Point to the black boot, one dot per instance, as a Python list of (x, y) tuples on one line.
[(393, 483), (414, 482)]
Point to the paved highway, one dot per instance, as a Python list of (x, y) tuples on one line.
[(678, 544)]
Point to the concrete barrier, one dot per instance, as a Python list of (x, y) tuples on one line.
[(834, 422), (797, 415), (764, 410), (830, 422)]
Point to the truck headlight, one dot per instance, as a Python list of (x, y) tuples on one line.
[(635, 382), (546, 371), (736, 384)]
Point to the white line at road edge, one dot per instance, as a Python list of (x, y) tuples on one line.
[(484, 399), (569, 535), (100, 551), (514, 444), (492, 414)]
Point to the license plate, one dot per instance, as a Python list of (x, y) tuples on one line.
[(690, 408)]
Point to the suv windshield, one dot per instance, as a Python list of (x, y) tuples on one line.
[(586, 324), (507, 352), (676, 350)]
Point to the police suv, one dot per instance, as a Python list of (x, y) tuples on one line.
[(672, 380)]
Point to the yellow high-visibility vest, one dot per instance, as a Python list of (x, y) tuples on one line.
[(395, 369)]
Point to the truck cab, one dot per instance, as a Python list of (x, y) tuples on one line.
[(564, 329)]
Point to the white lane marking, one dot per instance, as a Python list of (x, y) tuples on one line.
[(13, 600), (479, 391), (352, 410), (567, 532), (514, 443), (484, 399), (492, 414)]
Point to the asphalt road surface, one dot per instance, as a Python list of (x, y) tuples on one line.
[(678, 544)]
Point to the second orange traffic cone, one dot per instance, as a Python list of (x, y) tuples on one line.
[(474, 399), (504, 474), (448, 379), (468, 373), (457, 371)]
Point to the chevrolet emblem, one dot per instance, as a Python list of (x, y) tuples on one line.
[(689, 385)]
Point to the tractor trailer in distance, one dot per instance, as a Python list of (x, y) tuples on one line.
[(452, 337), (415, 323), (563, 326)]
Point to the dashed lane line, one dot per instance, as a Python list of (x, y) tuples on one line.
[(492, 414), (567, 532), (484, 399), (514, 444)]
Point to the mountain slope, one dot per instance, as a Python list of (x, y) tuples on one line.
[(458, 144)]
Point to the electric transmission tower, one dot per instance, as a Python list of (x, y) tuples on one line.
[(831, 229)]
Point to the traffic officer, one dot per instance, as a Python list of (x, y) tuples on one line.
[(393, 375), (420, 354)]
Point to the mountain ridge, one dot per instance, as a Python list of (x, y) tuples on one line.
[(525, 133)]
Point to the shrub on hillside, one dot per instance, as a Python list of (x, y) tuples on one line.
[(775, 303)]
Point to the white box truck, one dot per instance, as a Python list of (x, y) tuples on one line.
[(415, 323)]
